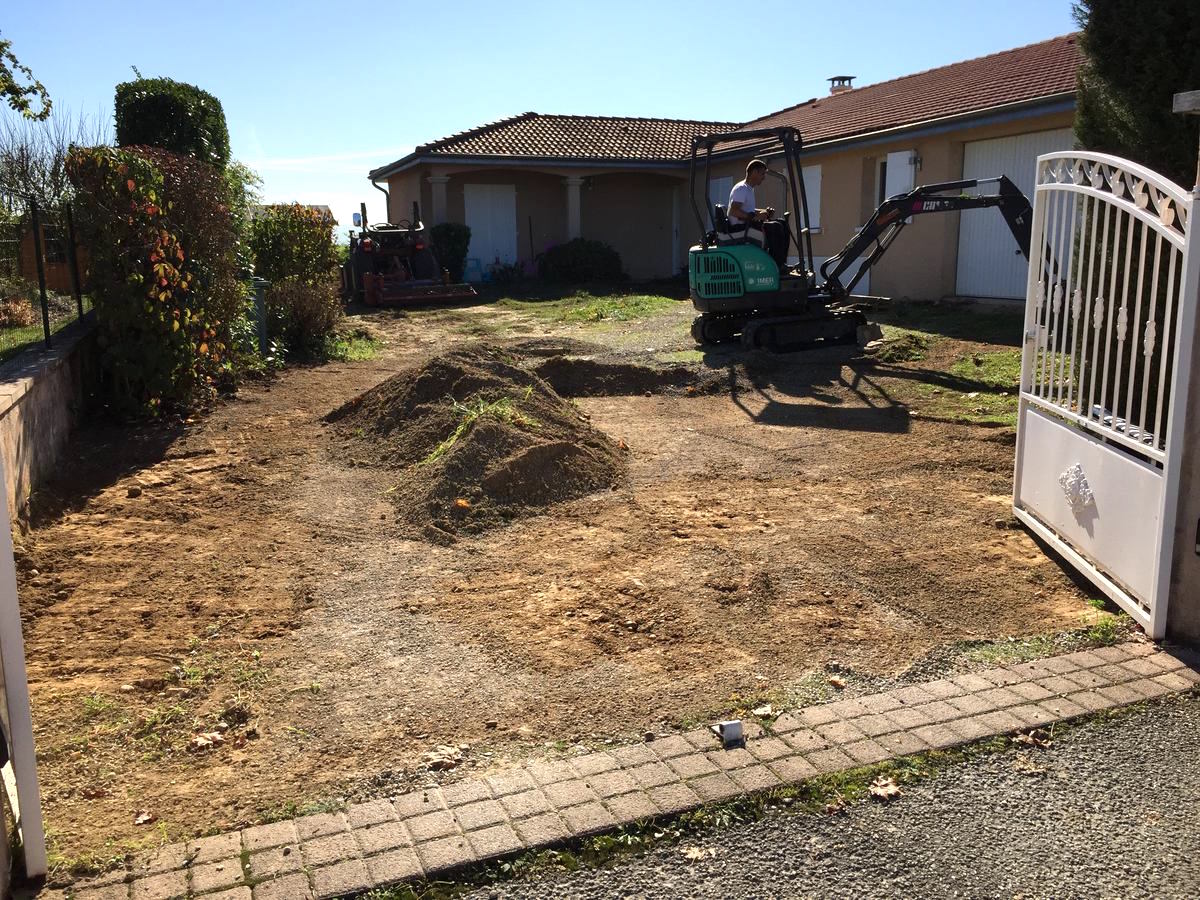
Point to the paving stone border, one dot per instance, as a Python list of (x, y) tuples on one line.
[(429, 832)]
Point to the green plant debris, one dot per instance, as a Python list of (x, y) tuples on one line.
[(502, 409), (902, 345)]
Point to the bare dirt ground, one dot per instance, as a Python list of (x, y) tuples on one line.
[(243, 579)]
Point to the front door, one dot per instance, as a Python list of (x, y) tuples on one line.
[(490, 211)]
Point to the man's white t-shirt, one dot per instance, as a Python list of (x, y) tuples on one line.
[(744, 194)]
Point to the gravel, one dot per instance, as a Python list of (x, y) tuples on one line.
[(1110, 810)]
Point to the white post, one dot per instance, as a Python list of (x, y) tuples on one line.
[(20, 774), (438, 184), (1179, 557), (574, 229)]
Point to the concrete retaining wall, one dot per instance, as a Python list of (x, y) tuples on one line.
[(41, 397)]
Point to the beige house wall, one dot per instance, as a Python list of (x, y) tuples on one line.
[(403, 189), (634, 213)]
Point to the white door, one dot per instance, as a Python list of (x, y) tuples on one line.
[(490, 211), (989, 263)]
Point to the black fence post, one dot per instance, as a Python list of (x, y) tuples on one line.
[(260, 309), (41, 268), (76, 278)]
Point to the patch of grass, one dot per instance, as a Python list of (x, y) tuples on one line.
[(1000, 369), (95, 705), (684, 356), (502, 409), (351, 346), (961, 320), (1108, 630), (980, 407), (583, 307)]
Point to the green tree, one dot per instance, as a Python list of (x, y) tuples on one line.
[(21, 96), (1137, 56)]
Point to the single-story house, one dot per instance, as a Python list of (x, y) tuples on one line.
[(530, 181)]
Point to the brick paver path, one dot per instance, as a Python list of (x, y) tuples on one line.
[(429, 832)]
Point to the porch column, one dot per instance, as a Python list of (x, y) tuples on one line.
[(573, 225), (437, 215)]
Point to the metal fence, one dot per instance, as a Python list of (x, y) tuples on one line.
[(41, 273)]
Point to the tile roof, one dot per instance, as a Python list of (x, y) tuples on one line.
[(1030, 73), (1026, 73), (575, 138)]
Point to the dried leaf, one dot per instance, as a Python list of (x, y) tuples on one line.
[(145, 818), (884, 789), (206, 740), (698, 853), (462, 503), (1038, 737), (837, 681)]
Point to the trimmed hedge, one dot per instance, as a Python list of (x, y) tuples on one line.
[(182, 118), (293, 241), (160, 239), (580, 260)]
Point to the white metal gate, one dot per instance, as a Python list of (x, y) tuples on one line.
[(19, 773), (1109, 315)]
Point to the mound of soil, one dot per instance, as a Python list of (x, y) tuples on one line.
[(479, 440)]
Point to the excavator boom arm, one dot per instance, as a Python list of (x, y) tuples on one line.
[(886, 223)]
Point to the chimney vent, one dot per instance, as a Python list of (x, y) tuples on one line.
[(839, 84)]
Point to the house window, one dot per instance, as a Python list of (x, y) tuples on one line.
[(881, 182)]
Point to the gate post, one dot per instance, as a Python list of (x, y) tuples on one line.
[(1183, 605)]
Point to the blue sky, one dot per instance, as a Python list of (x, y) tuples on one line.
[(317, 94)]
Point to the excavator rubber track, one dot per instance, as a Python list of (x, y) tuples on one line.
[(783, 334)]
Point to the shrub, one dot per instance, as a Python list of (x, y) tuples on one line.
[(163, 301), (451, 241), (580, 260), (161, 112), (293, 241), (15, 312), (304, 313)]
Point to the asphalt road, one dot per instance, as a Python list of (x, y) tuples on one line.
[(1110, 810)]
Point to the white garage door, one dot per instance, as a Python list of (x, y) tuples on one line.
[(490, 211), (989, 263)]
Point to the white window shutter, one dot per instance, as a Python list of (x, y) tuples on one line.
[(901, 173), (812, 189)]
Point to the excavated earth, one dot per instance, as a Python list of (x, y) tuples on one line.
[(477, 440), (719, 533)]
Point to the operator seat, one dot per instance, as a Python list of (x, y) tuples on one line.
[(728, 233)]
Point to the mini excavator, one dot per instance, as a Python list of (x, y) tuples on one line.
[(741, 280)]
